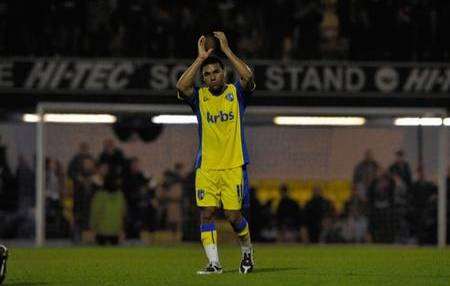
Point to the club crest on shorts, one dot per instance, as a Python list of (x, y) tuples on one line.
[(229, 97), (200, 194)]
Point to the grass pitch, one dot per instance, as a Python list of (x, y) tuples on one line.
[(275, 265)]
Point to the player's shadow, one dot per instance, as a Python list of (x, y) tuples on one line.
[(274, 269), (29, 283), (267, 269)]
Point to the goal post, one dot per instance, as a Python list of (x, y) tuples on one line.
[(442, 184)]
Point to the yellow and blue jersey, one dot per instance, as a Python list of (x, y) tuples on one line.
[(220, 127)]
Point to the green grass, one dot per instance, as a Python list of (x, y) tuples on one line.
[(275, 265)]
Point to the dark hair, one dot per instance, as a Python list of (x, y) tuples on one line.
[(112, 182), (210, 61)]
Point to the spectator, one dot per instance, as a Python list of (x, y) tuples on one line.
[(430, 212), (278, 31), (401, 206), (380, 28), (288, 215), (108, 211), (171, 177), (256, 219), (401, 167), (191, 217), (25, 184), (135, 189), (359, 26), (54, 193), (98, 27), (316, 209), (381, 205), (307, 18), (269, 227), (174, 215), (101, 170), (4, 165), (174, 176), (421, 199), (162, 30), (331, 228), (403, 42), (68, 16), (112, 156), (8, 196), (329, 30), (356, 226), (375, 29), (365, 172), (135, 19), (84, 189), (355, 201), (75, 164), (26, 191), (4, 11), (54, 181), (443, 22)]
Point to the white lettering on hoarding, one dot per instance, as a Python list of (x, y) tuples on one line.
[(333, 80), (294, 72), (416, 80), (81, 69), (59, 74), (40, 74), (158, 77), (355, 79), (311, 80), (97, 77), (432, 80), (119, 77), (275, 80)]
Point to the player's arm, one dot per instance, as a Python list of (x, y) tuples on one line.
[(244, 71), (185, 84)]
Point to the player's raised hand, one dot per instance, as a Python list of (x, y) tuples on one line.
[(223, 40), (202, 52)]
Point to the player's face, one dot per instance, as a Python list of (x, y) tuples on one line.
[(214, 76)]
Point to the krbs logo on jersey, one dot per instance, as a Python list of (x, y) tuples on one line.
[(229, 97), (222, 116)]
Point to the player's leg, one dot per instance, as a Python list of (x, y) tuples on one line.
[(207, 201), (232, 196), (208, 236), (3, 259), (241, 228)]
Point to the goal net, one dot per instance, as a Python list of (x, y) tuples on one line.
[(317, 175)]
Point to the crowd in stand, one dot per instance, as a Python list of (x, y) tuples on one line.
[(385, 206), (401, 30), (109, 198), (105, 198), (113, 198)]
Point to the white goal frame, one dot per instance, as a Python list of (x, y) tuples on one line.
[(48, 107)]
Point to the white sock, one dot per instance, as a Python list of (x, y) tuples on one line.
[(212, 253), (246, 249)]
